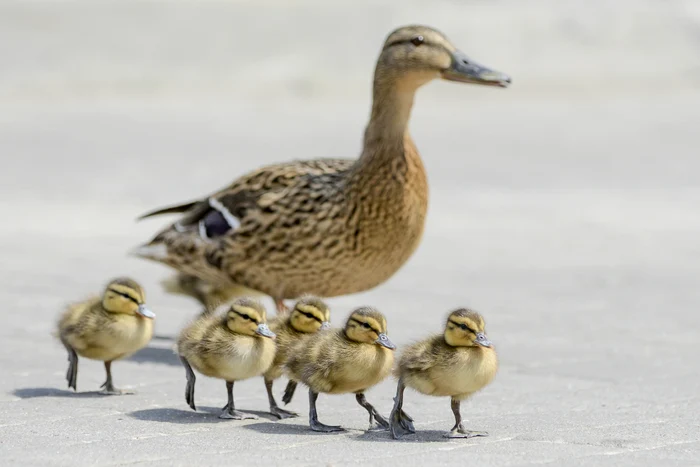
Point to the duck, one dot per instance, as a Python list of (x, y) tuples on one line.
[(457, 363), (233, 346), (348, 360), (107, 328), (326, 227), (309, 315)]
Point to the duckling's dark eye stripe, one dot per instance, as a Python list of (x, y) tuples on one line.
[(248, 317), (310, 315), (125, 295), (463, 326), (367, 325)]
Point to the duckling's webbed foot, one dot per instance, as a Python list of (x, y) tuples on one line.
[(281, 307), (401, 423), (289, 392), (458, 431), (72, 373), (274, 409), (108, 388), (313, 417), (229, 412), (189, 388), (381, 424)]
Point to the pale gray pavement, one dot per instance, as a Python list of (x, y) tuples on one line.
[(566, 209)]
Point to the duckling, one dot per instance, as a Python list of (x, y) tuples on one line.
[(352, 359), (357, 221), (106, 328), (309, 315), (457, 363), (233, 346)]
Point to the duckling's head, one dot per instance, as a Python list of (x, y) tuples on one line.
[(310, 314), (466, 328), (368, 325), (414, 55), (126, 296), (247, 316)]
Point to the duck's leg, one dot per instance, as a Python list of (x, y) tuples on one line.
[(458, 431), (230, 411), (191, 379), (274, 409), (289, 392), (108, 388), (401, 422), (382, 424), (281, 307), (313, 416), (72, 373)]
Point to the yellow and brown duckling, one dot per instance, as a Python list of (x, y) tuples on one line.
[(232, 346), (457, 363), (106, 328), (348, 360), (309, 315), (356, 221)]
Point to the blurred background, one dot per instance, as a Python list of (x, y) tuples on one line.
[(565, 207)]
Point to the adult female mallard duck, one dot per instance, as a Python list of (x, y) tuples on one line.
[(325, 227), (457, 363)]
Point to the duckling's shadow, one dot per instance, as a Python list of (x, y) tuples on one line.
[(287, 429), (156, 355), (186, 417), (423, 436), (31, 393)]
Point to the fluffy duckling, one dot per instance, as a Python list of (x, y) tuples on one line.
[(457, 363), (309, 315), (346, 360), (234, 346), (106, 328)]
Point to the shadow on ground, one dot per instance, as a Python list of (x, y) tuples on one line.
[(31, 393), (287, 429), (186, 416), (162, 355)]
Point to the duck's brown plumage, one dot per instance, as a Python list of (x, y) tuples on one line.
[(326, 227)]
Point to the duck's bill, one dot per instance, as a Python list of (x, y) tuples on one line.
[(263, 330), (482, 340), (325, 326), (145, 312), (465, 70), (384, 341)]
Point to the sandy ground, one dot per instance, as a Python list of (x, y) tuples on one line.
[(564, 208)]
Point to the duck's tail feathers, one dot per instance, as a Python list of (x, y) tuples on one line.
[(180, 208)]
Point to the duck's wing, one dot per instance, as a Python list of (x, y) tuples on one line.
[(223, 213)]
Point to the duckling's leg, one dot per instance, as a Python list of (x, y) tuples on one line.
[(313, 416), (458, 431), (373, 414), (191, 379), (401, 422), (274, 409), (108, 388), (72, 374), (289, 392), (230, 411)]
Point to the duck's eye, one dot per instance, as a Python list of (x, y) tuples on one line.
[(366, 326), (418, 40), (464, 327), (247, 317)]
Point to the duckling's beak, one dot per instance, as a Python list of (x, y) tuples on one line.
[(325, 326), (482, 340), (145, 312), (385, 342), (465, 70), (263, 330)]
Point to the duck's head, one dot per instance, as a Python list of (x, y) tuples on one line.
[(126, 296), (310, 314), (466, 328), (247, 316), (414, 55), (367, 325)]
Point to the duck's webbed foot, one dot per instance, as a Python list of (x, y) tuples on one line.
[(108, 388)]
